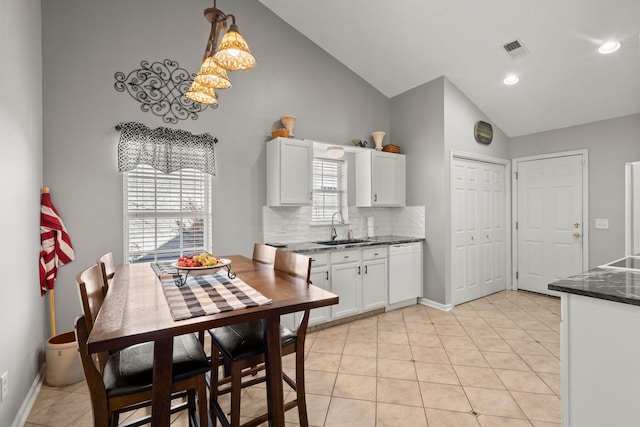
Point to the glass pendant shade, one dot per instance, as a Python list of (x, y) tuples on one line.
[(211, 75), (201, 94), (335, 152), (233, 52)]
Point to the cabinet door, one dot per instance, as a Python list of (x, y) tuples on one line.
[(388, 179), (319, 278), (346, 282), (296, 158), (374, 284)]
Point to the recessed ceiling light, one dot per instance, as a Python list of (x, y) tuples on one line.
[(511, 79), (609, 47)]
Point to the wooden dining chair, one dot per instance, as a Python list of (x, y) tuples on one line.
[(242, 347), (121, 381), (264, 254), (108, 270)]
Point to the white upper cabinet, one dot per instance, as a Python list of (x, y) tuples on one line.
[(289, 172), (380, 179)]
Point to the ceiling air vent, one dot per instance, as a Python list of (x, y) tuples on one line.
[(515, 49)]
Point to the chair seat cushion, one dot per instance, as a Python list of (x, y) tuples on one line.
[(130, 370), (245, 340)]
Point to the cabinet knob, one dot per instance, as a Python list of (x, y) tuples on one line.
[(576, 235), (359, 271)]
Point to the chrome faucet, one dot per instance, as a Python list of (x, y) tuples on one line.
[(334, 233)]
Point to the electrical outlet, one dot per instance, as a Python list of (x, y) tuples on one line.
[(4, 380)]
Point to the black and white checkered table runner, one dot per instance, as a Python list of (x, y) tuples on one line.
[(205, 294)]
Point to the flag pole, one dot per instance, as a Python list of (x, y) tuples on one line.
[(52, 298)]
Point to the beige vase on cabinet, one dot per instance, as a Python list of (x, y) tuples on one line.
[(377, 139)]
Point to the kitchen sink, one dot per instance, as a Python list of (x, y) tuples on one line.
[(342, 242)]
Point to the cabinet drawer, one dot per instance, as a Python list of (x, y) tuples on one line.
[(345, 256), (374, 253), (318, 259)]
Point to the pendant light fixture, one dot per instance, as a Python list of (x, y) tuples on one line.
[(233, 54)]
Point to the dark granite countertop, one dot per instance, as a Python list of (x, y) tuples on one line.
[(309, 247), (603, 283)]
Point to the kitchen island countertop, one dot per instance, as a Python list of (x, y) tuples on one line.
[(603, 283)]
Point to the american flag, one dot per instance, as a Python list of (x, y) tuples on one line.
[(56, 246)]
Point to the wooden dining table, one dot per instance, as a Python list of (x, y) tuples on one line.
[(135, 310)]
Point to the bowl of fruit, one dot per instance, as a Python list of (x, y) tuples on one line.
[(201, 261)]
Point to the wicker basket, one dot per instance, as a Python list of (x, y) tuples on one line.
[(390, 148), (280, 132)]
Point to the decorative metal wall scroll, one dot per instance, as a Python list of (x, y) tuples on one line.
[(160, 88)]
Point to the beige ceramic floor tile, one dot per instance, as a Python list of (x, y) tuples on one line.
[(335, 332), (62, 411), (450, 329), (513, 334), (317, 407), (505, 361), (360, 348), (398, 369), (549, 364), (531, 325), (393, 327), (481, 332), (393, 351), (389, 337), (355, 387), (502, 323), (551, 380), (424, 340), (467, 358), (441, 418), (444, 396), (319, 382), (526, 381), (369, 334), (541, 407), (490, 344), (552, 347), (391, 316), (478, 377), (420, 328), (436, 373), (352, 413), (358, 365), (390, 415), (493, 402), (328, 345), (429, 355), (460, 342), (527, 347), (322, 362), (401, 392), (545, 336), (489, 421), (544, 424)]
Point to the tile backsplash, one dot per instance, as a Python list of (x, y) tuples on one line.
[(293, 224)]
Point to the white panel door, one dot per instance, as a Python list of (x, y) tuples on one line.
[(478, 229), (549, 221)]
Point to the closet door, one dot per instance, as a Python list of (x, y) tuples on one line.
[(478, 258)]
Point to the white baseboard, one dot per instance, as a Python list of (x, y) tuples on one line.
[(437, 305), (401, 304), (30, 400)]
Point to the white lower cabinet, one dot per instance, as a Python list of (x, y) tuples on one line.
[(319, 278), (374, 278), (346, 282)]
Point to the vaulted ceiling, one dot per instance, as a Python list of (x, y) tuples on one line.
[(564, 81)]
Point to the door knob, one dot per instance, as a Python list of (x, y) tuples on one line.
[(576, 235), (576, 225)]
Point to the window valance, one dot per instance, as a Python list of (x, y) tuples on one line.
[(164, 149)]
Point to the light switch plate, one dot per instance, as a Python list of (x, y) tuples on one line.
[(602, 224)]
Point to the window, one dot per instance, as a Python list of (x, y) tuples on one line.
[(166, 215), (328, 189)]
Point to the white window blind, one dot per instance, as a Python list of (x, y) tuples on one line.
[(328, 190), (166, 215)]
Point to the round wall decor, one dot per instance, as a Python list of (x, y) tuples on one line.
[(483, 132)]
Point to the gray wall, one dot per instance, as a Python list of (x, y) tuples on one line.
[(428, 122), (85, 43), (611, 143), (22, 309)]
